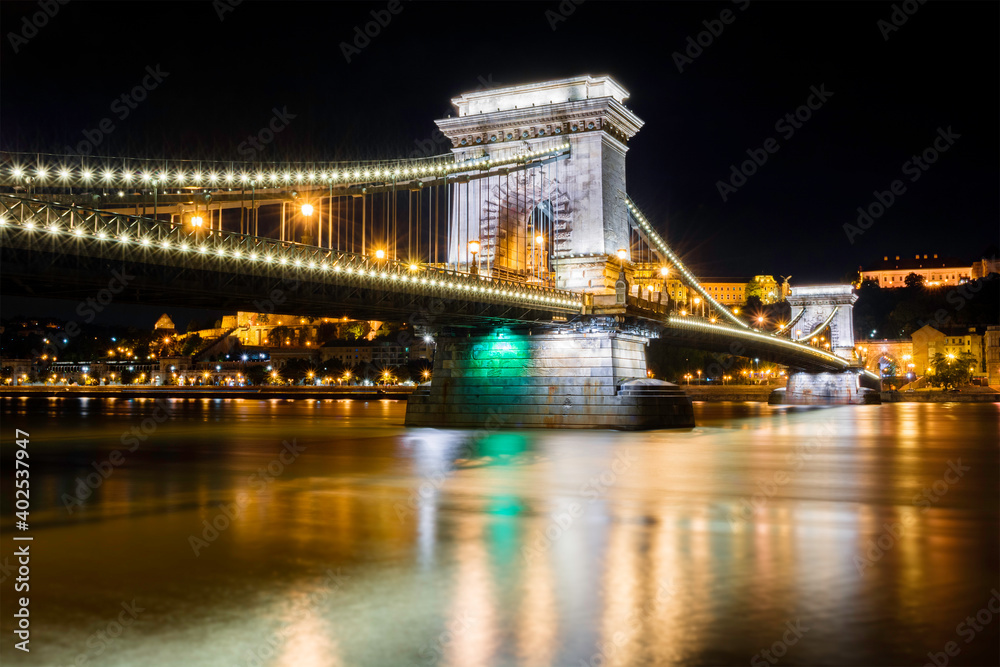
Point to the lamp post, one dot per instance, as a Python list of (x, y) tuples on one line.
[(542, 256), (155, 189), (664, 275), (474, 249), (307, 211)]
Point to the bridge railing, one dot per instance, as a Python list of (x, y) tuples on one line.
[(171, 243), (49, 170)]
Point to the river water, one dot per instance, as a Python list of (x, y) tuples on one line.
[(184, 532)]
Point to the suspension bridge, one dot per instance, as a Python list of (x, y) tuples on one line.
[(520, 251)]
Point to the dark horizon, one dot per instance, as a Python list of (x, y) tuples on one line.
[(884, 95)]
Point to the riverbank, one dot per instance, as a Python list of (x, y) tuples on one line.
[(118, 391), (739, 393), (732, 392), (710, 394), (965, 395)]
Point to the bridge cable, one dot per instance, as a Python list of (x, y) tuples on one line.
[(665, 254)]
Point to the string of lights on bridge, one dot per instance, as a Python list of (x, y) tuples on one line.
[(269, 252), (687, 322), (59, 175), (658, 244)]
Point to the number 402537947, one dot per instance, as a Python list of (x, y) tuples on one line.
[(21, 473)]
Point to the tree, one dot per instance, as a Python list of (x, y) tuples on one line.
[(191, 345), (913, 280), (869, 283), (256, 374), (951, 371), (279, 335), (298, 369), (852, 277)]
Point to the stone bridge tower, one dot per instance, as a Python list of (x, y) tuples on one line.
[(816, 304), (572, 201)]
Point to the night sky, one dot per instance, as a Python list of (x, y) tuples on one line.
[(889, 97)]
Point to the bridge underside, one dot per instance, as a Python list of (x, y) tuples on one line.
[(53, 274), (746, 344)]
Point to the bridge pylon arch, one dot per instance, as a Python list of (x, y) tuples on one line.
[(590, 221)]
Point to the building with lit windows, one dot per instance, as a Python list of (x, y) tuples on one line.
[(936, 271), (928, 342), (381, 353), (984, 267), (992, 337), (729, 291)]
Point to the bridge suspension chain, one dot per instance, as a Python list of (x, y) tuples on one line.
[(660, 248)]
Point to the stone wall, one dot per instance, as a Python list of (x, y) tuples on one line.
[(570, 380), (847, 388)]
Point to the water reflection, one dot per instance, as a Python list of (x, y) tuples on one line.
[(528, 548)]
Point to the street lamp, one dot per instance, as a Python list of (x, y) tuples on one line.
[(307, 210), (622, 254), (474, 249), (543, 264), (197, 221), (664, 274), (380, 254)]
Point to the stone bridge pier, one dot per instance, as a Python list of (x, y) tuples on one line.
[(814, 309), (587, 376)]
